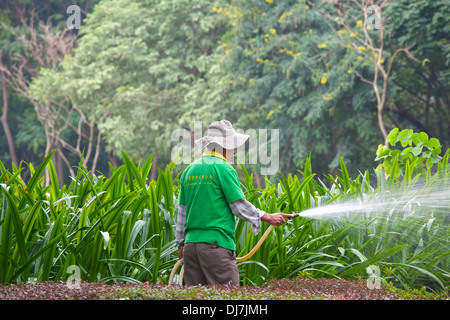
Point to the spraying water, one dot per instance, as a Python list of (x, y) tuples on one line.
[(420, 201), (402, 231), (416, 221)]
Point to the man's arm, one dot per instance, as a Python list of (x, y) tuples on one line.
[(180, 234), (244, 210), (277, 219), (181, 225)]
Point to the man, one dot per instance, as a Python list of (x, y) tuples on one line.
[(210, 200)]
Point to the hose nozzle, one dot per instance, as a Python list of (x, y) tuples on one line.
[(296, 214)]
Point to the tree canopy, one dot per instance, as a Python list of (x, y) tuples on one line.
[(333, 76)]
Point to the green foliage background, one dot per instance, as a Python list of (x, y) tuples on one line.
[(151, 67)]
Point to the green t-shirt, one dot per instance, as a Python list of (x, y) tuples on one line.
[(207, 186)]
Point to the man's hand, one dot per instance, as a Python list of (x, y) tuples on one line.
[(180, 252), (277, 219)]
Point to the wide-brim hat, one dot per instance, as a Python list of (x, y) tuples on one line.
[(222, 133)]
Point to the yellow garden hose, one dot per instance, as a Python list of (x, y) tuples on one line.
[(175, 268), (252, 252), (246, 257)]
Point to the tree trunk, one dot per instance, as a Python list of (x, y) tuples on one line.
[(259, 184), (154, 172), (58, 163), (4, 120), (113, 160)]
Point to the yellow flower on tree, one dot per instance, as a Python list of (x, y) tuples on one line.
[(324, 79), (327, 97), (284, 15), (322, 46)]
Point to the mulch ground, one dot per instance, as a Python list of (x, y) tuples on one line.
[(329, 289)]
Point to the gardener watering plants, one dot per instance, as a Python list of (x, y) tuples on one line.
[(210, 200)]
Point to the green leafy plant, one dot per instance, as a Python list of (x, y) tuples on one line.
[(114, 229), (418, 153), (121, 228)]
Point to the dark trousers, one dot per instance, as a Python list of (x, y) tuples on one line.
[(208, 264)]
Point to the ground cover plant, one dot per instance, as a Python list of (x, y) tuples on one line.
[(121, 228), (300, 288)]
